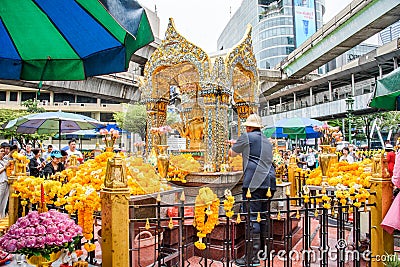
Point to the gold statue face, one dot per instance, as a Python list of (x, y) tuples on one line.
[(188, 87)]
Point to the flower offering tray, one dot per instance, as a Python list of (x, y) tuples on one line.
[(137, 212), (217, 181), (212, 179), (196, 154)]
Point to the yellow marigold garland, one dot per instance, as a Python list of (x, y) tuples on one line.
[(228, 203), (207, 203)]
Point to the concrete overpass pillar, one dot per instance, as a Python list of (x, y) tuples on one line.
[(268, 108), (294, 100), (395, 63), (353, 85), (280, 105), (330, 90), (19, 97), (7, 97), (311, 97), (51, 98), (96, 115), (380, 71)]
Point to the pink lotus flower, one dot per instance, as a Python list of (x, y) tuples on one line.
[(325, 126)]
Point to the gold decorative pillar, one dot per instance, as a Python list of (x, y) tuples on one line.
[(294, 185), (115, 214), (13, 202), (16, 169), (156, 117), (381, 241), (209, 98), (223, 129), (243, 111)]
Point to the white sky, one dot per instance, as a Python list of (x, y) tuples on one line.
[(202, 21)]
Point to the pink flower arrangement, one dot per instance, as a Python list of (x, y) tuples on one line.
[(161, 130), (109, 136), (139, 144), (330, 135), (41, 234)]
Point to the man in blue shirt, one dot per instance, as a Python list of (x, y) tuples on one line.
[(258, 177)]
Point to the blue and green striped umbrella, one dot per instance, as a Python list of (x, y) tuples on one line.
[(47, 40), (52, 123), (293, 128)]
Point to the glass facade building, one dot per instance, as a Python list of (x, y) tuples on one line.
[(274, 33)]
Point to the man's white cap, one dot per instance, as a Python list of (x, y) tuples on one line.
[(253, 121)]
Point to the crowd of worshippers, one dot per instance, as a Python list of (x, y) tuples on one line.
[(42, 163), (308, 158)]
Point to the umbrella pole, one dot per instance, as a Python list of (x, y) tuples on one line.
[(59, 135)]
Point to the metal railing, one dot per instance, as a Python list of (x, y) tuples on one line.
[(308, 233)]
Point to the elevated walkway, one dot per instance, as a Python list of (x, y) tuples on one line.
[(357, 22)]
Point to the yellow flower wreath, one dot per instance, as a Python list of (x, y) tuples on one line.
[(207, 203)]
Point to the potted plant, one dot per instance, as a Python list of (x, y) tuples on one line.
[(41, 236)]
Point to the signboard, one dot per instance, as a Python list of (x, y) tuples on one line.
[(304, 20), (175, 143)]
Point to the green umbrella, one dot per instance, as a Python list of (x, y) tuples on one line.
[(66, 39), (52, 123), (293, 128), (386, 91)]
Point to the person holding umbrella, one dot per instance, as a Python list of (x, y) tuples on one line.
[(54, 165)]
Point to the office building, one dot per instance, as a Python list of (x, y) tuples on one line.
[(279, 26)]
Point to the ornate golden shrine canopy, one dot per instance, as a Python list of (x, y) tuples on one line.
[(208, 87)]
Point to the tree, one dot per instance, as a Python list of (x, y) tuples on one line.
[(32, 106), (390, 120), (365, 122), (132, 119)]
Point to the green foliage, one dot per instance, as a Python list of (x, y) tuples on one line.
[(5, 116), (363, 124), (390, 120), (172, 117), (133, 119), (32, 106)]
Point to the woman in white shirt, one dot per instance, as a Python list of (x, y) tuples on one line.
[(346, 156)]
